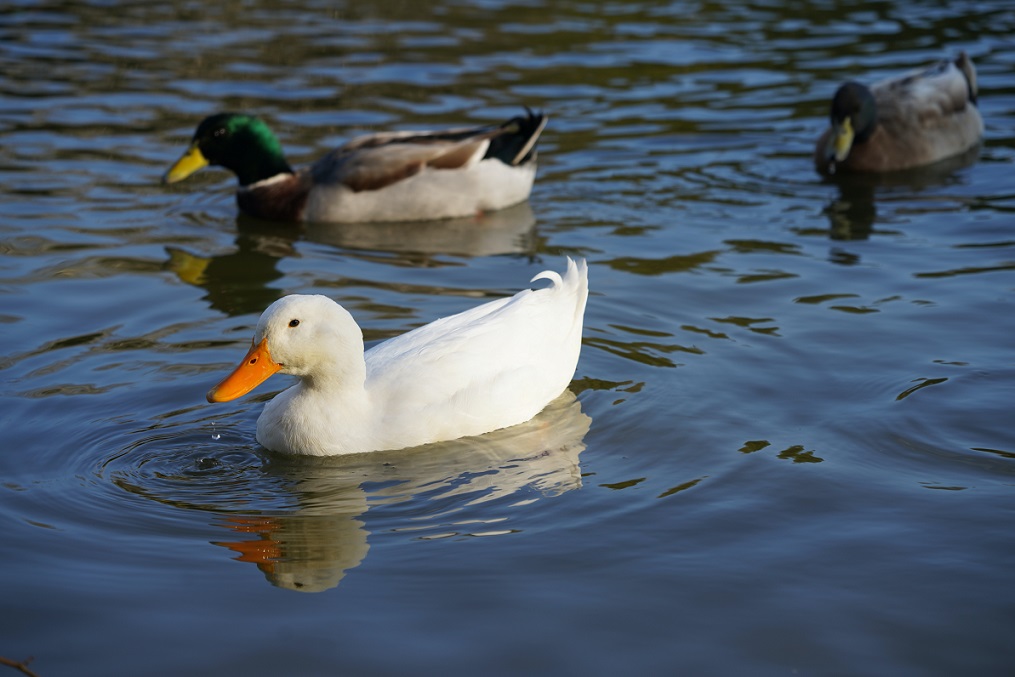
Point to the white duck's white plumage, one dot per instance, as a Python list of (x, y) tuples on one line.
[(496, 365)]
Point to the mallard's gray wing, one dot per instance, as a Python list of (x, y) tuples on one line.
[(927, 95), (374, 161)]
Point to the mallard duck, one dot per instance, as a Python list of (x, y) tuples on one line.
[(916, 119), (487, 368), (390, 176)]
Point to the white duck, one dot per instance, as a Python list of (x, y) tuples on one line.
[(487, 368)]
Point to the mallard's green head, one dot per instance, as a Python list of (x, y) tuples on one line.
[(238, 142), (854, 116)]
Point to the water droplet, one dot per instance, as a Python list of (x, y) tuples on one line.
[(216, 436)]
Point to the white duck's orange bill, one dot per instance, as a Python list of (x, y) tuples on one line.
[(254, 370)]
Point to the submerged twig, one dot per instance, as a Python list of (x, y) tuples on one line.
[(22, 666)]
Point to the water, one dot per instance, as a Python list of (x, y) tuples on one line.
[(791, 448)]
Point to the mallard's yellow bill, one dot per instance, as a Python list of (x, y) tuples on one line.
[(191, 161), (843, 140), (254, 370)]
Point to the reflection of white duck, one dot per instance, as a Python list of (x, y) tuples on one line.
[(306, 553), (312, 547), (487, 368)]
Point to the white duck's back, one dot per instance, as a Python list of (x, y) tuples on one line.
[(487, 368)]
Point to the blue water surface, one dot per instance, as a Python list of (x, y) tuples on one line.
[(789, 446)]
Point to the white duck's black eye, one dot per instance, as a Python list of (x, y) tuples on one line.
[(294, 323)]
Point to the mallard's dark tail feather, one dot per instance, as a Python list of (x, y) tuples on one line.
[(516, 143), (965, 64)]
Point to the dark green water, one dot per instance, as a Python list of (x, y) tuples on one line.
[(792, 448)]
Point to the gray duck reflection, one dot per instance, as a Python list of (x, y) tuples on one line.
[(239, 281), (853, 212), (311, 548), (508, 231)]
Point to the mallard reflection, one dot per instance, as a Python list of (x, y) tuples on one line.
[(236, 282), (311, 548), (508, 231), (239, 282), (854, 212)]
